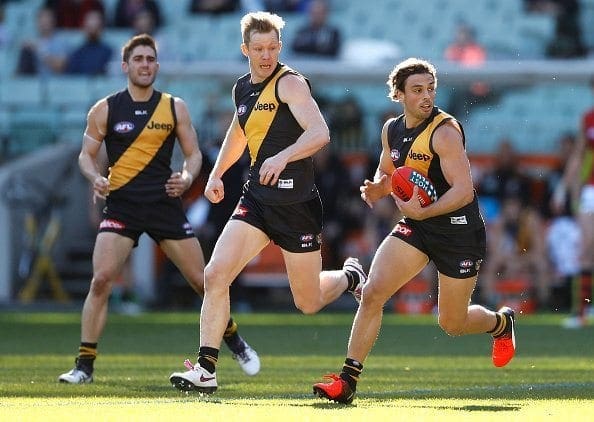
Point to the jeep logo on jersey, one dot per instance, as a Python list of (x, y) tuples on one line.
[(160, 126), (241, 109), (265, 106), (418, 156), (394, 154), (123, 127)]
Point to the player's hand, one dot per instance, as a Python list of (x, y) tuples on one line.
[(100, 188), (271, 169), (411, 208), (214, 190), (177, 184), (372, 191)]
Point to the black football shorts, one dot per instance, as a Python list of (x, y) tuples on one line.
[(294, 227), (163, 219), (456, 253)]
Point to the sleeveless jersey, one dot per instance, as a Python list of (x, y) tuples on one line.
[(270, 127), (414, 148), (139, 142), (588, 130)]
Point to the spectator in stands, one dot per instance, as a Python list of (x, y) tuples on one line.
[(331, 178), (93, 55), (214, 7), (126, 11), (4, 34), (317, 37), (283, 6), (516, 249), (467, 52), (563, 234), (504, 180), (465, 49), (346, 122), (578, 181), (71, 13), (45, 55), (567, 41)]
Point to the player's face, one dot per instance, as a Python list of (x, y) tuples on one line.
[(142, 66), (262, 51), (418, 98)]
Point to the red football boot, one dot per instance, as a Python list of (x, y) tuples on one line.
[(504, 346), (337, 389)]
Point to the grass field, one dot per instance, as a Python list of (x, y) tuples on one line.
[(415, 372)]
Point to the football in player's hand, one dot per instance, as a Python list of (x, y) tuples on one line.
[(405, 178)]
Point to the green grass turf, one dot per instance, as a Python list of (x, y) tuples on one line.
[(415, 370)]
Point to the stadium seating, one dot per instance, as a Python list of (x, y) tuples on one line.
[(502, 26)]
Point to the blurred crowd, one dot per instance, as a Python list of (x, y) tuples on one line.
[(526, 255)]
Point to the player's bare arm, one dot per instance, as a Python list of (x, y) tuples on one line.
[(447, 142), (374, 190), (232, 149), (294, 91), (94, 133), (179, 182)]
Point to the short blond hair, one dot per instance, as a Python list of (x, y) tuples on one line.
[(260, 22)]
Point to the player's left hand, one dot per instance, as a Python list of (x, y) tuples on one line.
[(271, 169), (411, 208), (177, 184)]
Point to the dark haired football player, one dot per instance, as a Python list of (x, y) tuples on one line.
[(450, 231)]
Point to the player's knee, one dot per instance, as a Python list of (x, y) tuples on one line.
[(101, 283), (451, 326), (214, 278), (307, 307)]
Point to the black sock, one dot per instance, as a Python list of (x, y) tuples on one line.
[(350, 372), (232, 338), (208, 357), (502, 326), (87, 353), (353, 279)]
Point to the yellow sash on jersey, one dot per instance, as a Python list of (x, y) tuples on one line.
[(420, 155), (144, 147), (262, 115)]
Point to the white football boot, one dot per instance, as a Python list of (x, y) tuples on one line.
[(75, 376), (195, 378), (352, 265), (248, 360)]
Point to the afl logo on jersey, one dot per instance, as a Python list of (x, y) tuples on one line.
[(394, 154), (123, 127), (241, 109)]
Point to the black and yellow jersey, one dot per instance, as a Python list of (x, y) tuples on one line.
[(139, 142), (413, 147), (270, 127)]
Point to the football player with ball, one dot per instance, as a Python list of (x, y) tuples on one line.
[(441, 223)]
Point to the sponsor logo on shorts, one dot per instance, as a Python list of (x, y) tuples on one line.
[(285, 183), (402, 229), (188, 228), (306, 237), (111, 224), (240, 211), (241, 109), (458, 220), (466, 266), (123, 127)]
